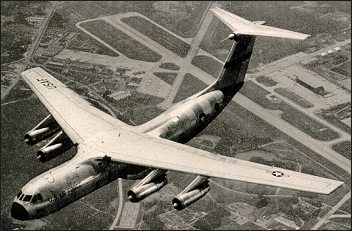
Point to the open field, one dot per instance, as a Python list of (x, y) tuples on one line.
[(143, 114), (189, 86), (158, 34), (207, 64), (130, 105), (121, 41), (290, 114), (167, 77), (294, 97), (169, 66), (266, 81), (83, 42), (344, 148)]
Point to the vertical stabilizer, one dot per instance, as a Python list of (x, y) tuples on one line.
[(233, 73), (237, 62)]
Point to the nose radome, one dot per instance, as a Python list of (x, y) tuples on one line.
[(19, 212)]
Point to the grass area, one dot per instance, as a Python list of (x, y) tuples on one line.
[(189, 86), (207, 64), (343, 69), (257, 94), (294, 97), (18, 94), (344, 148), (305, 123), (82, 41), (142, 115), (137, 101), (167, 77), (158, 34), (169, 66), (121, 41), (266, 81)]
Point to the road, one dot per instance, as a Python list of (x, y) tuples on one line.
[(119, 209), (32, 48), (205, 22), (340, 216), (332, 211)]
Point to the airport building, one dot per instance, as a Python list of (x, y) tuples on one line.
[(312, 85)]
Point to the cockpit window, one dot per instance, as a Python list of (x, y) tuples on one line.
[(21, 197), (27, 198), (19, 194), (34, 199), (39, 197)]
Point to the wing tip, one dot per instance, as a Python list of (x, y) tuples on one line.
[(332, 187)]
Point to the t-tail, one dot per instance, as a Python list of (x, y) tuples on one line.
[(231, 77)]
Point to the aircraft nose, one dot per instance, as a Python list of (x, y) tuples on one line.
[(19, 212)]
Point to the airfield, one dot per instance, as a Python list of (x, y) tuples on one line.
[(273, 120)]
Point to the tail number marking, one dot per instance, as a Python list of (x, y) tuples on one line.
[(46, 83)]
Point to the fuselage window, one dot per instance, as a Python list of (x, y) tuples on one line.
[(27, 198)]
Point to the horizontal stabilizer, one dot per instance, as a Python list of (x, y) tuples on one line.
[(242, 26)]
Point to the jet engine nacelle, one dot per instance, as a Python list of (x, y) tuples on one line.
[(232, 36), (43, 130), (152, 183), (193, 192), (58, 145)]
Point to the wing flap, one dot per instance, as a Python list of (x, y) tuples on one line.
[(76, 116), (140, 149)]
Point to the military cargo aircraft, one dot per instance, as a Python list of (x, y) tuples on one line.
[(108, 148)]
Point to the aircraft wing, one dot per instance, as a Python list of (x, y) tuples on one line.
[(141, 149), (99, 134), (78, 119), (242, 26)]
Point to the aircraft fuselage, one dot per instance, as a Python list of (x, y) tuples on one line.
[(80, 176), (58, 187)]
